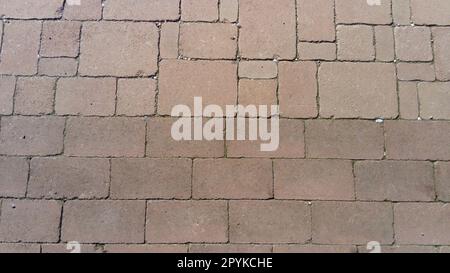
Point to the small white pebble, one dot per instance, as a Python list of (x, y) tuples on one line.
[(379, 120), (419, 118)]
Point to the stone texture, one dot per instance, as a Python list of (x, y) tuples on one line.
[(358, 11), (85, 96), (31, 135), (434, 99), (169, 40), (384, 43), (317, 51), (105, 137), (270, 25), (269, 222), (88, 10), (430, 12), (29, 9), (64, 67), (103, 221), (413, 44), (199, 10), (181, 81), (34, 96), (415, 72), (232, 179), (161, 144), (13, 182), (298, 89), (442, 176), (208, 41), (60, 39), (355, 43), (313, 179), (416, 140), (348, 139), (316, 20), (409, 104), (258, 69), (441, 38), (357, 90), (64, 177), (132, 49), (149, 10), (394, 181), (150, 178), (136, 97), (229, 10), (187, 221), (30, 221), (7, 87), (422, 223), (20, 47), (352, 223)]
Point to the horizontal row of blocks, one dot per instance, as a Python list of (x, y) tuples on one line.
[(137, 137), (296, 179), (294, 222), (215, 248)]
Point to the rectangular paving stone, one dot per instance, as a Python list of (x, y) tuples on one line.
[(34, 95), (441, 40), (348, 139), (60, 39), (413, 44), (137, 10), (409, 103), (85, 96), (316, 20), (20, 47), (258, 69), (435, 12), (180, 81), (442, 176), (187, 221), (384, 43), (31, 135), (290, 248), (352, 223), (145, 248), (434, 99), (415, 71), (232, 179), (30, 221), (87, 10), (317, 51), (29, 9), (7, 88), (271, 26), (168, 44), (394, 181), (417, 140), (355, 43), (64, 177), (136, 97), (105, 137), (151, 178), (359, 11), (208, 41), (401, 12), (229, 248), (20, 248), (132, 50), (103, 221), (298, 89), (313, 179), (269, 222), (13, 181), (229, 10), (358, 90), (422, 223), (200, 10), (64, 67)]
